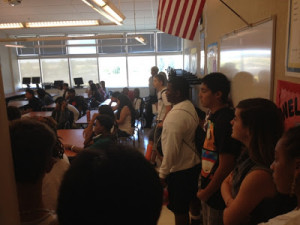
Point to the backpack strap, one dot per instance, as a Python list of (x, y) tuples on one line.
[(193, 149)]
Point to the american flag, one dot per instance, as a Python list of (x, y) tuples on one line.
[(179, 17)]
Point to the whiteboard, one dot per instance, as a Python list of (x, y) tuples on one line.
[(246, 59)]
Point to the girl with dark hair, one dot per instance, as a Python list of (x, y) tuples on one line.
[(52, 180), (62, 115), (125, 116), (286, 173), (96, 97), (249, 191)]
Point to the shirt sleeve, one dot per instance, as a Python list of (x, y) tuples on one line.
[(164, 99), (171, 144)]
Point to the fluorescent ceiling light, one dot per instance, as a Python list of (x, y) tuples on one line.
[(11, 25), (107, 9), (62, 23), (15, 46), (140, 39)]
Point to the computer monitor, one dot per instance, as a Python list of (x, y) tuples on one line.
[(58, 83), (36, 81), (27, 81), (78, 81)]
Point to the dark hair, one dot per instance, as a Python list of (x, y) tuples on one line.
[(265, 123), (32, 144), (113, 179), (291, 140), (106, 121), (41, 92), (162, 77), (58, 150), (30, 91), (13, 113), (65, 84), (102, 83), (106, 110), (218, 82), (180, 84), (71, 90), (115, 94), (125, 101), (94, 87), (59, 100), (137, 91)]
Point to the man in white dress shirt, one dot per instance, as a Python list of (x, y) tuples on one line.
[(181, 165)]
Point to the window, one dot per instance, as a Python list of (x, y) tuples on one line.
[(29, 68), (30, 48), (47, 49), (113, 71), (174, 61), (55, 69), (149, 47), (82, 49), (111, 46), (168, 43), (85, 68), (139, 70)]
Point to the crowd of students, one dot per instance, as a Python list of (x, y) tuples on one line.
[(247, 171)]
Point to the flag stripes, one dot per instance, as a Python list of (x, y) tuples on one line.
[(179, 17)]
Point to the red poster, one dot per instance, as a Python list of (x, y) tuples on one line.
[(288, 100)]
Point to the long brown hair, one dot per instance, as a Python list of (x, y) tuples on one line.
[(265, 123)]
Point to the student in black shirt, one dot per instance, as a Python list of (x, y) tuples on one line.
[(34, 104)]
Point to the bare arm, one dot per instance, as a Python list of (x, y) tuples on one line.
[(256, 186), (124, 113), (226, 164), (88, 131), (226, 190)]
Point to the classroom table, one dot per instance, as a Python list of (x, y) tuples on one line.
[(14, 95), (83, 119), (49, 107), (84, 95), (18, 104), (37, 114), (72, 137)]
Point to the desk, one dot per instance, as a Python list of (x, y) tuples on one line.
[(84, 95), (18, 104), (73, 137), (37, 114), (83, 120), (51, 106), (14, 95)]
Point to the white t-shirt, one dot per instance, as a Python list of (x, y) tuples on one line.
[(290, 218), (162, 103)]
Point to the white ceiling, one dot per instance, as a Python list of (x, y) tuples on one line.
[(53, 10)]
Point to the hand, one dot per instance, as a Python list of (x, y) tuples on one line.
[(94, 116), (202, 195)]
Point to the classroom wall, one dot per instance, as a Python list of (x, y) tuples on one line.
[(6, 70), (219, 20)]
